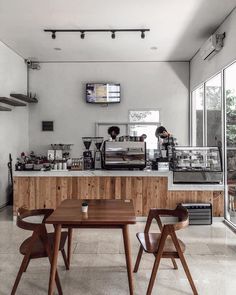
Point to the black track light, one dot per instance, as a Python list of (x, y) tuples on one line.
[(82, 35), (113, 35), (83, 31), (53, 35)]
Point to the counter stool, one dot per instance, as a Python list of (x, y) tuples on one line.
[(40, 243), (164, 244)]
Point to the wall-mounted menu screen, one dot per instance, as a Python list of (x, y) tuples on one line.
[(102, 93)]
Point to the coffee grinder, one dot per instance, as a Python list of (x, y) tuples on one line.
[(87, 154), (97, 153)]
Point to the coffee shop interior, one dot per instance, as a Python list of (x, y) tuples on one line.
[(117, 140)]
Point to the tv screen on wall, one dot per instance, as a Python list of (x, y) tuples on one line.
[(102, 93)]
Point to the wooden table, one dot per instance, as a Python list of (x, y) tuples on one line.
[(101, 214)]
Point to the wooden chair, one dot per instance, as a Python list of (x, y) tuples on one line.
[(40, 243), (164, 244)]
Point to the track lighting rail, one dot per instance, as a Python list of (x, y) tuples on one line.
[(83, 31)]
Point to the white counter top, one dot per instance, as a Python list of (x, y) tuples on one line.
[(123, 173), (92, 173)]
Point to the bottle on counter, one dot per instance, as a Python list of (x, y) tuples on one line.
[(69, 163), (59, 166), (64, 164)]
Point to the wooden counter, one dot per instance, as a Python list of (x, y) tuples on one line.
[(145, 191)]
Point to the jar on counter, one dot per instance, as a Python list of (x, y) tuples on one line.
[(64, 166)]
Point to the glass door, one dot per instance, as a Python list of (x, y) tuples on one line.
[(230, 142)]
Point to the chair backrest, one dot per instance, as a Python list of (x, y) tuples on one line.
[(168, 229), (179, 212), (26, 219), (182, 214)]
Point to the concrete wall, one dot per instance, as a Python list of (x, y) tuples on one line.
[(201, 70), (61, 90), (13, 125)]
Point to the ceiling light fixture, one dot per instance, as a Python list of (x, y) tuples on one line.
[(53, 34), (82, 35), (82, 31), (113, 34)]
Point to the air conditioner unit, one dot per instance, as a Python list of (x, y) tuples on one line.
[(213, 45)]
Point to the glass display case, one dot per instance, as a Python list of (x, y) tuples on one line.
[(197, 165)]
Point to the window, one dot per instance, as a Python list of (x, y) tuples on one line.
[(150, 120), (207, 126), (207, 113)]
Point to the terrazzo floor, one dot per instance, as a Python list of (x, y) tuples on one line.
[(98, 263)]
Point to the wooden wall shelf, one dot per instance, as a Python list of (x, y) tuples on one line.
[(4, 109), (12, 102), (24, 98)]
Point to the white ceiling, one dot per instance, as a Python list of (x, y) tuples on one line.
[(178, 28)]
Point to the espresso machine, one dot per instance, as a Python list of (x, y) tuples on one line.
[(87, 154), (98, 141)]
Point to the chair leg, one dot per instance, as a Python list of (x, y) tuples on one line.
[(44, 238), (65, 259), (140, 253), (184, 263), (27, 265), (23, 266), (154, 273), (174, 263), (157, 262), (69, 245), (58, 283), (57, 279), (188, 274)]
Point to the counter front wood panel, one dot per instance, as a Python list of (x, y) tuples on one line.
[(146, 192)]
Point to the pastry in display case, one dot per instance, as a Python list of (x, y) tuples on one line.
[(197, 165)]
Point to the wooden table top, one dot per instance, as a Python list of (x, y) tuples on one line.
[(100, 212)]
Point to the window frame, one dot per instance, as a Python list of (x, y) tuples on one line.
[(191, 114), (221, 73)]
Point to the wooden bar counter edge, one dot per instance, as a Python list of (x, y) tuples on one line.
[(147, 189)]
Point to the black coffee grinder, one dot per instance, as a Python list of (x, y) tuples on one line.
[(98, 154), (87, 154)]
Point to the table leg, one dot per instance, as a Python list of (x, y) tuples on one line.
[(69, 246), (125, 230), (53, 270)]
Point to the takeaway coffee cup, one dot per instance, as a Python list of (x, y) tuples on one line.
[(84, 207)]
